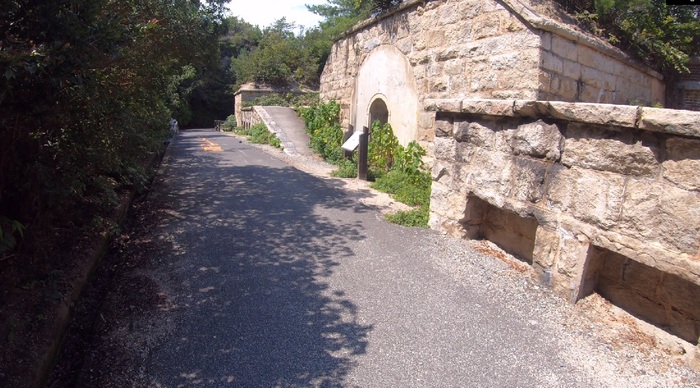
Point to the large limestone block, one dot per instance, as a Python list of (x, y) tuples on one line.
[(528, 179), (488, 107), (443, 172), (484, 26), (600, 149), (447, 202), (538, 139), (478, 133), (565, 48), (443, 105), (550, 61), (589, 196), (571, 263), (444, 126), (447, 14), (546, 250), (565, 87), (490, 174), (670, 121), (445, 149), (465, 152), (682, 166), (621, 115), (656, 212), (510, 23)]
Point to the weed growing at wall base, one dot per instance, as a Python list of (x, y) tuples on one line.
[(259, 134)]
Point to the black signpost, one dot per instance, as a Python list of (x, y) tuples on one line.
[(362, 154)]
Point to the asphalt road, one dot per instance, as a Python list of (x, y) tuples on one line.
[(276, 278)]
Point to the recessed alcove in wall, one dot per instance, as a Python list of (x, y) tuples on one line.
[(378, 111), (664, 300), (513, 233)]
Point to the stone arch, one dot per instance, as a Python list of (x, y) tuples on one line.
[(386, 75)]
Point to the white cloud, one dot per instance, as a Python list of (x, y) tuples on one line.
[(265, 12)]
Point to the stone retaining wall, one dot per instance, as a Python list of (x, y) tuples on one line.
[(597, 198)]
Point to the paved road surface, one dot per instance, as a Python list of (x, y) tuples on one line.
[(278, 278)]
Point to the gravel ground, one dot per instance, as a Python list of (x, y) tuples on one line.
[(594, 338)]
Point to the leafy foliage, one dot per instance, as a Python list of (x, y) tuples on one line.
[(284, 99), (663, 36), (230, 124), (281, 58), (397, 170), (347, 168), (413, 218), (383, 146), (85, 95), (323, 125), (259, 134)]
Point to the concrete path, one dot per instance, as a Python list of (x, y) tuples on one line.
[(290, 129)]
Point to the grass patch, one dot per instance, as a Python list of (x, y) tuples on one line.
[(347, 168), (259, 134), (411, 218), (410, 188)]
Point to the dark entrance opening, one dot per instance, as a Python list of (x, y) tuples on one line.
[(378, 111), (662, 299)]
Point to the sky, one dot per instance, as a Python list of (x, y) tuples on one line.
[(265, 12)]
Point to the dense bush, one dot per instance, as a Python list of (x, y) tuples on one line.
[(284, 99), (323, 125), (230, 124)]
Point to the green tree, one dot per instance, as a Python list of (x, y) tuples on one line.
[(86, 89)]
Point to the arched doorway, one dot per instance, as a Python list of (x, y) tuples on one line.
[(378, 111), (386, 90)]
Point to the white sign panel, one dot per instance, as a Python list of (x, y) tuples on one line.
[(353, 142)]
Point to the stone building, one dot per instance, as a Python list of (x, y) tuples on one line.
[(538, 142), (493, 49)]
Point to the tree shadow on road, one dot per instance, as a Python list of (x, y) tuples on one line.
[(253, 249)]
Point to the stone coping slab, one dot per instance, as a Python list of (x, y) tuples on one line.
[(671, 121)]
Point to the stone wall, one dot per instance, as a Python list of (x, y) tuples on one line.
[(598, 198), (247, 117), (246, 94), (493, 49)]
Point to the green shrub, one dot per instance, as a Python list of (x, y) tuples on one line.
[(230, 124), (259, 134), (383, 146), (411, 218), (411, 189), (323, 125), (395, 169), (347, 168)]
